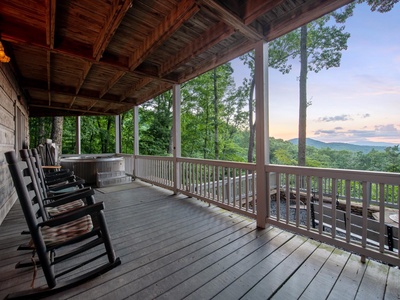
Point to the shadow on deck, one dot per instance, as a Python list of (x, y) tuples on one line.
[(175, 247)]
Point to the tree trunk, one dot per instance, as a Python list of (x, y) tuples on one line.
[(101, 135), (303, 98), (41, 133), (252, 127), (206, 133), (56, 134), (108, 134), (216, 144), (171, 138)]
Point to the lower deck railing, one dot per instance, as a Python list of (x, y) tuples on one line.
[(294, 195)]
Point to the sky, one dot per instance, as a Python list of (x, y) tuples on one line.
[(357, 103)]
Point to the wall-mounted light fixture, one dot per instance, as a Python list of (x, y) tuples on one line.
[(3, 57)]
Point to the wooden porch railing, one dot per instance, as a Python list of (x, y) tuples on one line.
[(291, 191)]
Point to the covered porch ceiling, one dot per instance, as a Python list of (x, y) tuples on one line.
[(91, 57)]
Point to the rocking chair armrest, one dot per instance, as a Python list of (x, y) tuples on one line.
[(57, 175), (63, 199), (62, 195), (73, 215), (61, 172), (66, 185), (61, 179)]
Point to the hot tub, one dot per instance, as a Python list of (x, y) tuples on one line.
[(87, 166)]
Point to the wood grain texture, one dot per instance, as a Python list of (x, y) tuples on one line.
[(174, 247), (92, 47)]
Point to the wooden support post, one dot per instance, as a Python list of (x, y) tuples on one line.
[(176, 135), (262, 133)]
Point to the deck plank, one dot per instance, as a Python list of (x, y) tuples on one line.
[(191, 283), (373, 282), (175, 247), (393, 282), (249, 279), (153, 284), (295, 286), (327, 276), (228, 276), (350, 278), (271, 283)]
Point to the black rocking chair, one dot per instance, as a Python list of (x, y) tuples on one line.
[(61, 238), (49, 207), (55, 182)]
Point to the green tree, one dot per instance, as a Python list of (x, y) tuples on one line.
[(319, 45), (209, 109), (127, 132), (393, 159), (155, 125)]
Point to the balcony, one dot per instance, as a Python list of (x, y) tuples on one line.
[(174, 246)]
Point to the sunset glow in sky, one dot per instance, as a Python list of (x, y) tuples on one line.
[(356, 103)]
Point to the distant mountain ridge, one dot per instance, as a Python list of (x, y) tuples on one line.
[(340, 146)]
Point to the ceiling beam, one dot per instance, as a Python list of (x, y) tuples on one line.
[(48, 67), (135, 87), (118, 10), (50, 22), (86, 68), (212, 36), (67, 91), (231, 19), (302, 15), (79, 110), (171, 23), (161, 88), (117, 76), (255, 8), (218, 60), (19, 38)]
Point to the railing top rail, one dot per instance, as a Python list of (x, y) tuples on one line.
[(153, 157), (354, 175), (219, 163)]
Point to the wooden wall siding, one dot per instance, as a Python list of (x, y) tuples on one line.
[(9, 104)]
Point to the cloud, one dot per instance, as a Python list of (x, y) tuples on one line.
[(336, 118), (389, 133), (343, 118)]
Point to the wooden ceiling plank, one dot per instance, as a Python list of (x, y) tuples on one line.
[(48, 68), (117, 76), (182, 12), (86, 68), (142, 83), (118, 10), (107, 108), (50, 22), (17, 33), (311, 10), (161, 88), (231, 19), (218, 60), (213, 36), (93, 104), (55, 107), (255, 8), (68, 93)]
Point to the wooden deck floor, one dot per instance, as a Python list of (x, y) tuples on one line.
[(174, 247)]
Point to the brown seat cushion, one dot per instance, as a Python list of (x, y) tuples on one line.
[(67, 231), (54, 211)]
